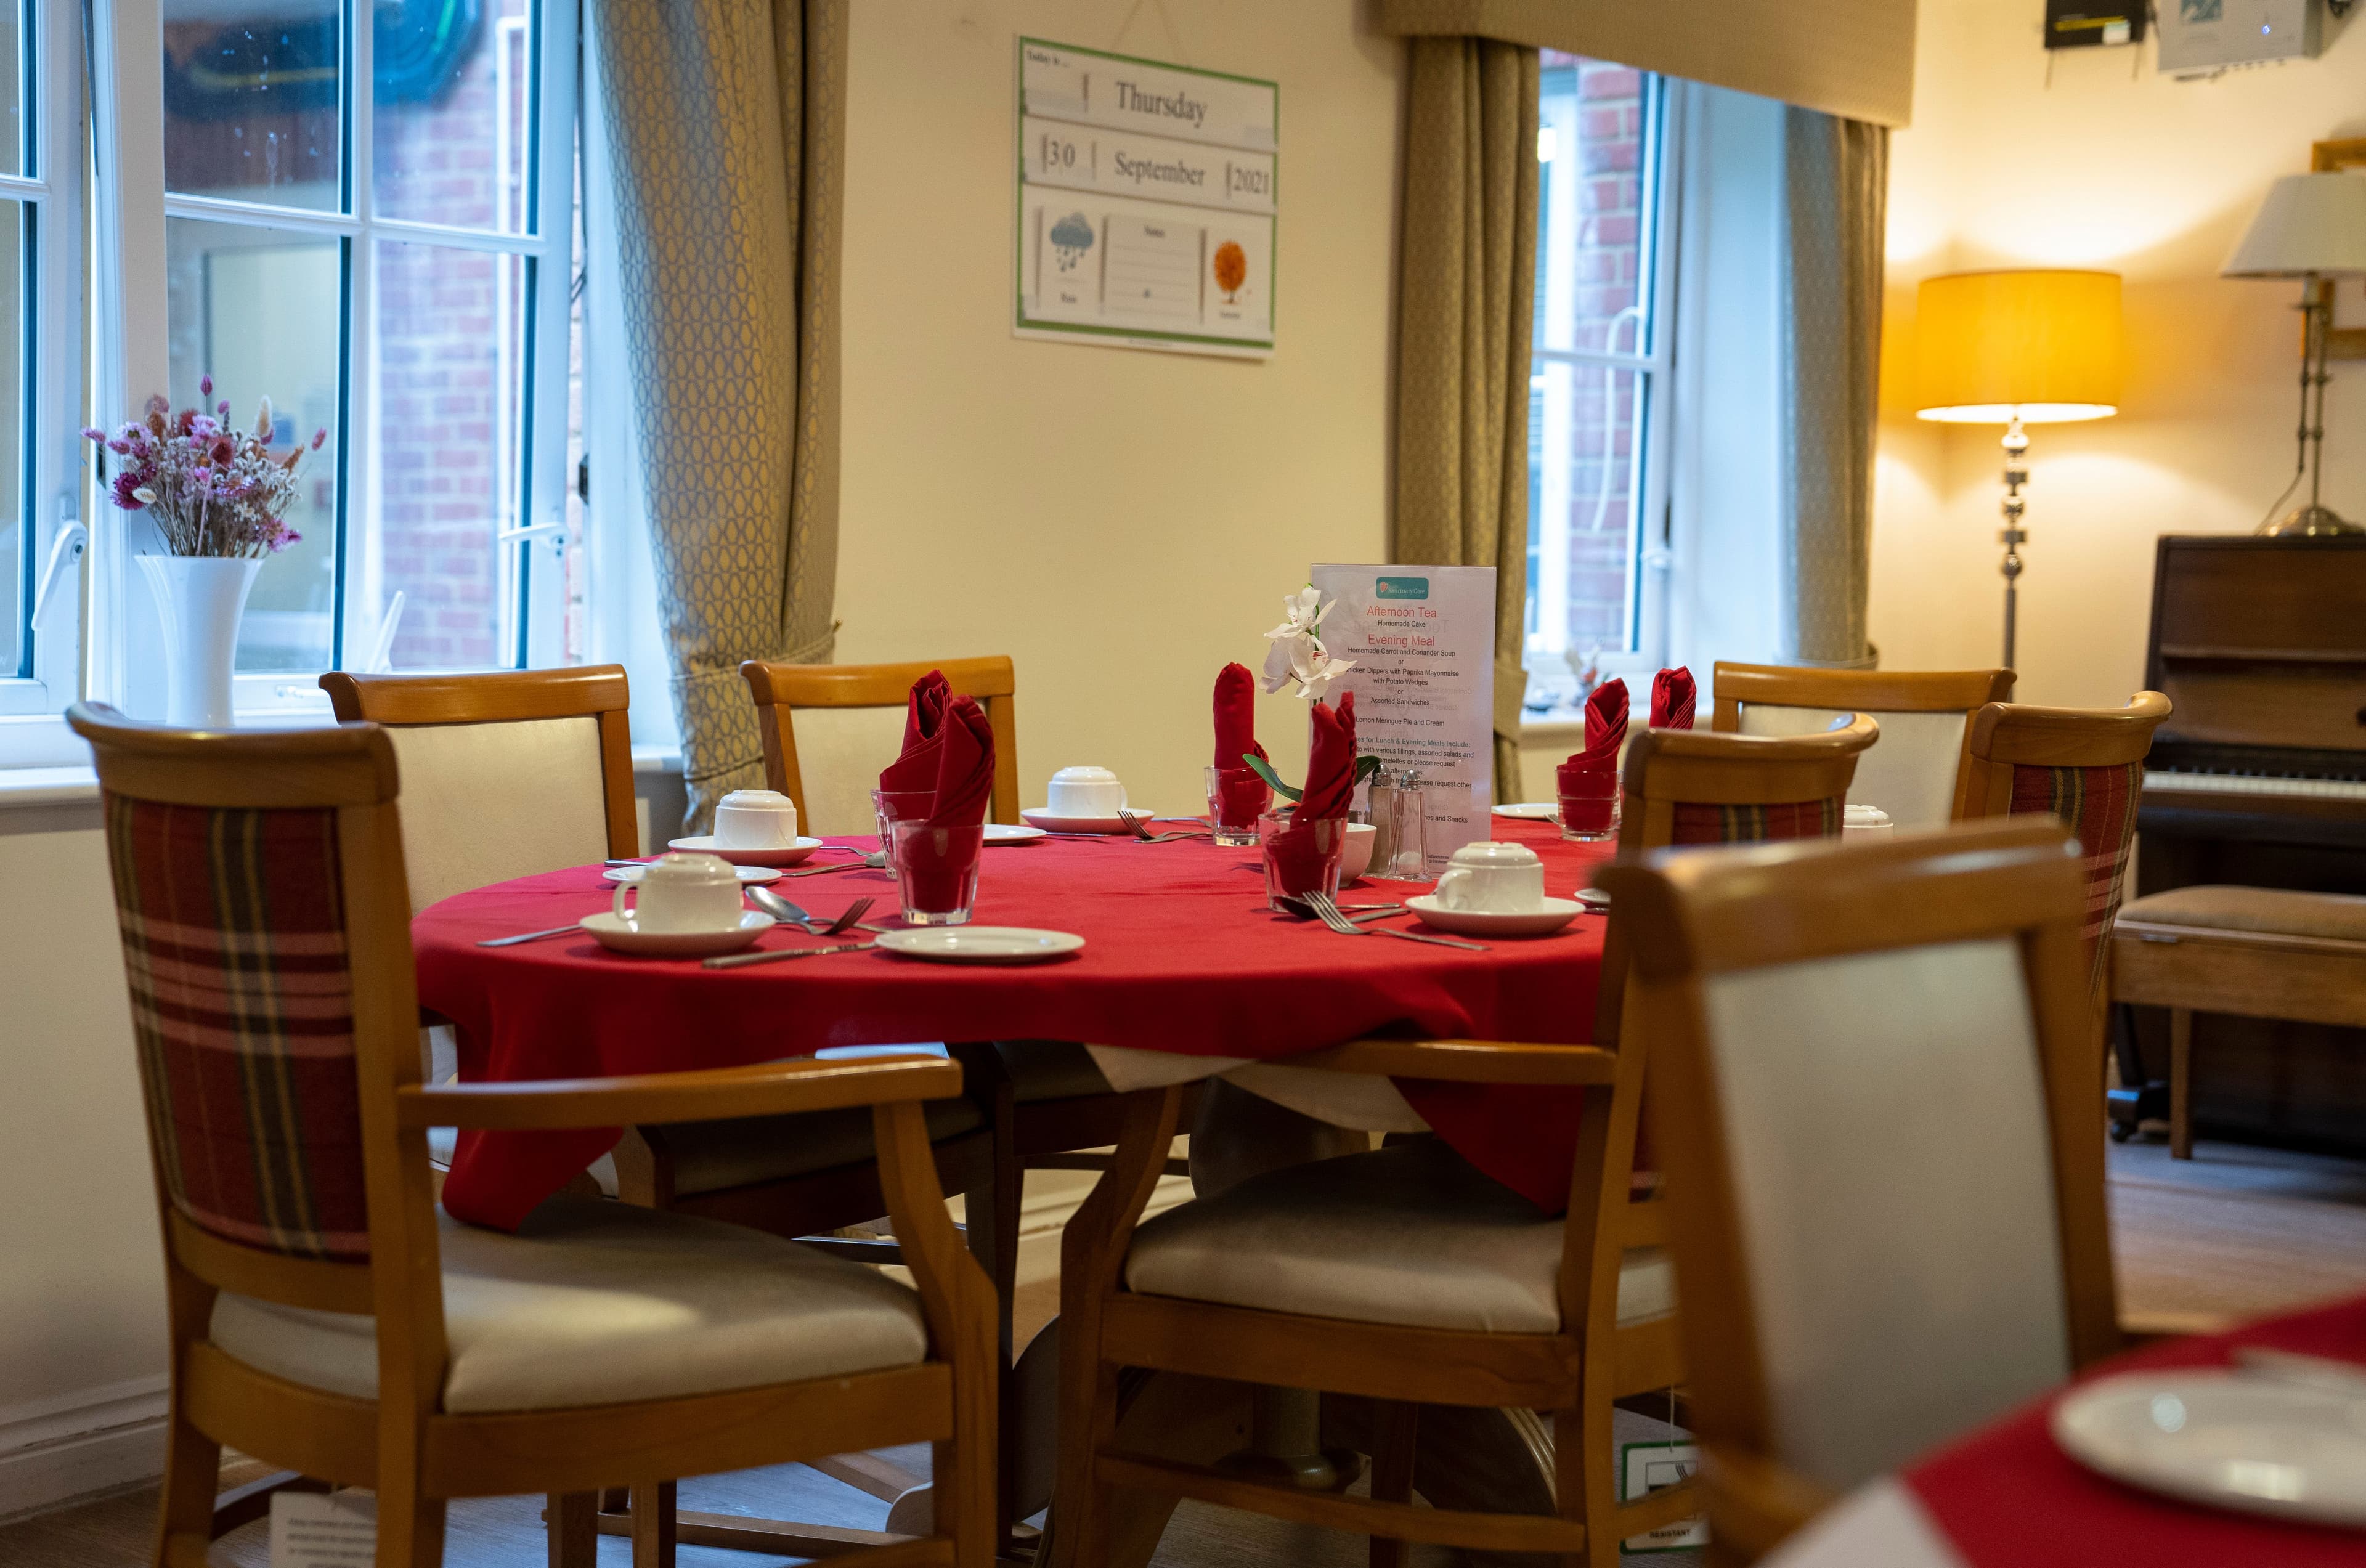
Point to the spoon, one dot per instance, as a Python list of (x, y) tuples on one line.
[(780, 908)]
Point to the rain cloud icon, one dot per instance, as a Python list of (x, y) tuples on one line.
[(1071, 237)]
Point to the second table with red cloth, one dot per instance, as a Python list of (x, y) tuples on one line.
[(1180, 955)]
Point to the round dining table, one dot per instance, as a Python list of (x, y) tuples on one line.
[(1184, 973)]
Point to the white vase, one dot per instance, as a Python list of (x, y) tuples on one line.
[(201, 599)]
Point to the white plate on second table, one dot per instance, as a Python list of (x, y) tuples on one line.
[(788, 854), (1529, 811), (2246, 1443), (626, 936), (1011, 833), (1546, 917), (1040, 816), (980, 944), (749, 874)]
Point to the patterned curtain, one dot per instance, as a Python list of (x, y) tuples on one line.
[(725, 131), (1466, 286), (1836, 174)]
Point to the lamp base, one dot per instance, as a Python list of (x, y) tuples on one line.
[(2309, 522)]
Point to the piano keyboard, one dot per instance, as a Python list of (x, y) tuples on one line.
[(2156, 780)]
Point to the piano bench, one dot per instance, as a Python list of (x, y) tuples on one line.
[(2258, 951)]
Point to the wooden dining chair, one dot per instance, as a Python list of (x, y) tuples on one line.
[(1917, 772), (1866, 1267), (780, 690), (324, 1315), (531, 770)]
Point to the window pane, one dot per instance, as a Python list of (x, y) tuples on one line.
[(14, 34), (16, 647), (450, 327), (1591, 254), (1584, 486), (451, 130), (259, 308), (251, 100)]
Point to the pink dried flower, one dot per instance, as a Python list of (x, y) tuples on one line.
[(205, 385)]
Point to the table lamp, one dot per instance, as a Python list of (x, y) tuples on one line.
[(2017, 348), (2312, 227)]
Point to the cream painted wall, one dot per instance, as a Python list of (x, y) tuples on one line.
[(2153, 179), (1121, 523)]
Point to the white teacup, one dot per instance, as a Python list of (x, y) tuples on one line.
[(755, 819), (1084, 792), (1865, 822), (1494, 879), (682, 893)]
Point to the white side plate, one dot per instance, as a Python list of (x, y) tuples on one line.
[(980, 944), (704, 844), (1530, 811), (1548, 917), (1040, 816), (2245, 1443), (748, 873), (624, 936), (1011, 833)]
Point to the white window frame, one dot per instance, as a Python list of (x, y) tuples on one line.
[(1552, 680), (50, 193), (134, 206)]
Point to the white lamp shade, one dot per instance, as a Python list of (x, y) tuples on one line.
[(2309, 223)]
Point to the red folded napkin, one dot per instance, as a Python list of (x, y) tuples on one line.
[(924, 722), (1672, 699), (1241, 796), (1589, 780), (936, 859), (1301, 851)]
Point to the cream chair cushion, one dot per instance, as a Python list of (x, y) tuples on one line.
[(1409, 1235), (1910, 771), (1885, 1131), (2339, 916), (593, 1302), (483, 802)]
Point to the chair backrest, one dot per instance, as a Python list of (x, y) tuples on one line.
[(1875, 1095), (1916, 774), (781, 689), (265, 930), (503, 775), (2086, 766)]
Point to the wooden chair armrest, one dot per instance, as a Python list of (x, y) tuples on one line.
[(1754, 1502), (2146, 1328), (759, 1089), (1465, 1061)]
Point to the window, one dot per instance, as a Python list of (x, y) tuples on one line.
[(368, 218), (40, 352), (1598, 382)]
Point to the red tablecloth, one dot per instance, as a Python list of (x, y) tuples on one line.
[(1180, 956), (2006, 1497)]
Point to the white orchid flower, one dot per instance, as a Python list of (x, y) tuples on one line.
[(1302, 613), (1313, 669), (1278, 666)]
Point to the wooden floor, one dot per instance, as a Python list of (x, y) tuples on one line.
[(2236, 1231)]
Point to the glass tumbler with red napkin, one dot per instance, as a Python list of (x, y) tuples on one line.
[(907, 787), (1672, 699), (1237, 796), (936, 855), (1589, 780), (1302, 845)]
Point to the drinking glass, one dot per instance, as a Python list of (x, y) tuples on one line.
[(1400, 827), (1300, 860), (895, 805), (936, 870), (1236, 798), (1589, 803)]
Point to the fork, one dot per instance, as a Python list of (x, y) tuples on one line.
[(875, 860), (1325, 906)]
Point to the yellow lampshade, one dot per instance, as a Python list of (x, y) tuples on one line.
[(2042, 345)]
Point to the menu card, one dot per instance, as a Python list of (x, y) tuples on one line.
[(1423, 641)]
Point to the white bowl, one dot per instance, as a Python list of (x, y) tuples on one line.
[(1084, 792), (1356, 854)]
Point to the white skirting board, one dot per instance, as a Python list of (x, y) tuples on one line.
[(101, 1440)]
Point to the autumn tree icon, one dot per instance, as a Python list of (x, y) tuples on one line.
[(1232, 266)]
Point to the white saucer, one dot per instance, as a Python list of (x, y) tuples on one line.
[(980, 944), (1546, 917), (1530, 811), (1011, 833), (748, 873), (2227, 1441), (788, 854), (1040, 816), (624, 936)]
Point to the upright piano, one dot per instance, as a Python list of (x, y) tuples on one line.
[(2259, 778)]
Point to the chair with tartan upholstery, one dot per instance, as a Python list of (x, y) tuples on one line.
[(325, 1315), (1916, 773), (1409, 1278)]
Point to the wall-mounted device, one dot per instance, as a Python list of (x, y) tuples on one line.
[(2202, 37), (2087, 24)]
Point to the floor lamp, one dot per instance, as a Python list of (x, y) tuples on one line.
[(2017, 349)]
